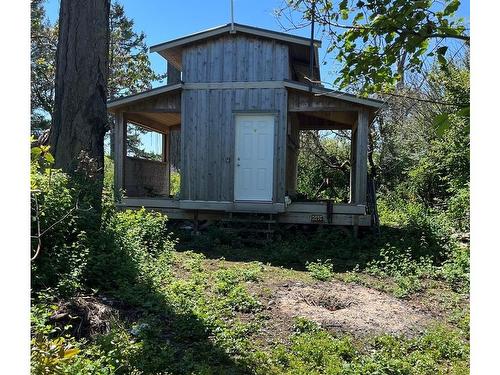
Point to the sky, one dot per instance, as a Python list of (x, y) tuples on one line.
[(163, 20)]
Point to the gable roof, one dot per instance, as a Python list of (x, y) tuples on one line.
[(246, 29), (170, 49)]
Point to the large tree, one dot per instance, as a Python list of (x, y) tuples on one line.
[(129, 66), (80, 116), (377, 41)]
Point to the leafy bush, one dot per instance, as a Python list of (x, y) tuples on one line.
[(123, 253), (59, 227), (320, 270), (456, 269), (240, 300), (51, 348), (175, 183)]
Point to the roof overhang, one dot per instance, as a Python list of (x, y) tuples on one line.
[(170, 50), (321, 91), (131, 99)]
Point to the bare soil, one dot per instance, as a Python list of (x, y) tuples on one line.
[(340, 307)]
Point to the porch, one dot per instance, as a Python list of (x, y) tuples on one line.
[(149, 183)]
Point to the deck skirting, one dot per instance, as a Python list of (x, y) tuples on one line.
[(295, 213)]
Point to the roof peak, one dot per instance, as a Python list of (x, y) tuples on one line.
[(238, 27)]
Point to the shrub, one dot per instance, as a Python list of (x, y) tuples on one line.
[(61, 225), (140, 231), (240, 300), (123, 254), (320, 270), (455, 270), (51, 348)]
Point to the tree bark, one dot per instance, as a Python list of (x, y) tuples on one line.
[(80, 116)]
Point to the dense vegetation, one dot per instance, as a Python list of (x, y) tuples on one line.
[(129, 292)]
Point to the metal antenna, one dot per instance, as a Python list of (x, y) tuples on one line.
[(232, 31), (311, 47)]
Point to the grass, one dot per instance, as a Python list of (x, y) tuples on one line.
[(196, 314)]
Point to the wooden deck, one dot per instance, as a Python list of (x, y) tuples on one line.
[(294, 213)]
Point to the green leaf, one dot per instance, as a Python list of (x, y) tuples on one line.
[(464, 112), (451, 7), (70, 353), (358, 17), (441, 123), (442, 50), (442, 60), (49, 158)]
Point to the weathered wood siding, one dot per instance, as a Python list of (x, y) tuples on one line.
[(145, 178), (292, 154), (174, 151), (208, 138), (235, 58), (166, 102)]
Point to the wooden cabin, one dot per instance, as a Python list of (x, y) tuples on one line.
[(230, 118)]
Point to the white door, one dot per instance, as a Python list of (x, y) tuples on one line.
[(254, 155)]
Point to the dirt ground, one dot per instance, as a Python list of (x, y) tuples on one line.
[(339, 307)]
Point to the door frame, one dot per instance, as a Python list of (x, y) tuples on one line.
[(275, 114)]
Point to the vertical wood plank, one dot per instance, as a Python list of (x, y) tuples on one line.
[(228, 59), (361, 157), (352, 172), (166, 155)]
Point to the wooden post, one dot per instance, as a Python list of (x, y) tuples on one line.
[(120, 150), (352, 175), (361, 169), (166, 154), (173, 74)]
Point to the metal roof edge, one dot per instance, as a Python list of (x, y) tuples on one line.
[(142, 95)]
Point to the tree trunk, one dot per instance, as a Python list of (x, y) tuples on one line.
[(79, 118)]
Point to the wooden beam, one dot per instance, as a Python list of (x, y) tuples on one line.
[(145, 122), (337, 219), (307, 122), (234, 85), (321, 208), (150, 202), (352, 171), (361, 158), (120, 151)]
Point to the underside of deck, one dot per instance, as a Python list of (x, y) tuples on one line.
[(319, 212)]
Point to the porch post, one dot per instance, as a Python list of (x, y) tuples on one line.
[(166, 155), (361, 152), (352, 175), (120, 137)]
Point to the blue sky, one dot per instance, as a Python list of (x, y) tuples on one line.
[(163, 20)]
